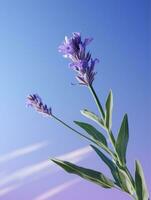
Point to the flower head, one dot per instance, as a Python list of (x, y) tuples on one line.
[(81, 62), (36, 102)]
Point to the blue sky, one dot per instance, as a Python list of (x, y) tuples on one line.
[(30, 33)]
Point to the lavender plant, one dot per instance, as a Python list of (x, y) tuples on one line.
[(113, 155)]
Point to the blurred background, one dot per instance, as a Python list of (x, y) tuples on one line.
[(30, 33)]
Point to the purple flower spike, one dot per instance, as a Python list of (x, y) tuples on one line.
[(87, 77), (75, 49), (36, 102)]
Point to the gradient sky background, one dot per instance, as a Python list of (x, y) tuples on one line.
[(30, 33)]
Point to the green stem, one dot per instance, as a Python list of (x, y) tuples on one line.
[(100, 108), (110, 135), (96, 99), (69, 127)]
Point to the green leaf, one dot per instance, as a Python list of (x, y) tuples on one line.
[(85, 173), (109, 108), (125, 182), (141, 188), (122, 140), (93, 117), (93, 132), (121, 178), (109, 163)]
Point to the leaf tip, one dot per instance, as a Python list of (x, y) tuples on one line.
[(83, 111), (111, 92), (92, 146), (126, 116), (55, 160)]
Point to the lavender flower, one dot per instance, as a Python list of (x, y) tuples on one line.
[(75, 49), (86, 77), (36, 102)]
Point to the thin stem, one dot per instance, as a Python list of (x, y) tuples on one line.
[(111, 136), (100, 108), (69, 127), (96, 99), (66, 125), (113, 142)]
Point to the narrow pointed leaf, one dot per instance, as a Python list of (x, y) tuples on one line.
[(93, 132), (109, 163), (122, 140), (108, 114), (85, 173), (93, 117), (141, 188)]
